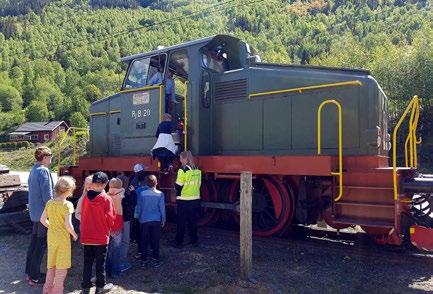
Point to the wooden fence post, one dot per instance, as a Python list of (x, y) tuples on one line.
[(246, 230)]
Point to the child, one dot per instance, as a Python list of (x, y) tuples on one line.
[(86, 187), (57, 217), (141, 186), (151, 212), (97, 219), (164, 148), (128, 204), (117, 193)]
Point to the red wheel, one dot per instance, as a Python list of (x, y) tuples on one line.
[(208, 193), (272, 206)]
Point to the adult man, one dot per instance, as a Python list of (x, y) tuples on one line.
[(169, 90), (156, 79), (40, 191)]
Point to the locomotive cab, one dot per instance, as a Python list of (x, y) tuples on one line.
[(133, 114)]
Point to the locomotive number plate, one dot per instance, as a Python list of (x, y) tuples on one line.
[(140, 98), (140, 113)]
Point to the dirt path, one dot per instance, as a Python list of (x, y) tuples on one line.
[(280, 266)]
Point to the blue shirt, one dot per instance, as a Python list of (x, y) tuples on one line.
[(138, 190), (169, 89), (40, 190), (151, 206), (156, 79)]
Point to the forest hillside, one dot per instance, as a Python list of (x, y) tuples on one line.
[(58, 56)]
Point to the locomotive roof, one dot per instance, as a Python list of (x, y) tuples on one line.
[(163, 50), (345, 69)]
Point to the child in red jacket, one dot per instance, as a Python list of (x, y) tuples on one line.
[(97, 219)]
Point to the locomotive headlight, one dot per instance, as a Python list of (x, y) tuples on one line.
[(379, 137), (388, 142)]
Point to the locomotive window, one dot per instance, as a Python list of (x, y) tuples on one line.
[(179, 64), (156, 69), (143, 71), (216, 61), (137, 75)]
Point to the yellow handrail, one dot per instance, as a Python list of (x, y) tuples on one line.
[(161, 87), (306, 88), (340, 142), (185, 123), (75, 131), (411, 138), (415, 141), (413, 122), (140, 89)]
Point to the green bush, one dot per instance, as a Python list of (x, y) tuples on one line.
[(16, 145)]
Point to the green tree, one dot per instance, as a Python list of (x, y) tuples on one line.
[(92, 93), (10, 98), (37, 111), (78, 120)]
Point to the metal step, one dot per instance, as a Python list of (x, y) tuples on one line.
[(364, 204), (364, 210), (364, 194), (365, 222)]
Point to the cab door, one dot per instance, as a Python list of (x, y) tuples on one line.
[(142, 107), (140, 119), (206, 110)]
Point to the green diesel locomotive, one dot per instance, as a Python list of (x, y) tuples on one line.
[(315, 138)]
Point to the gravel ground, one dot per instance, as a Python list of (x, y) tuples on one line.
[(279, 266)]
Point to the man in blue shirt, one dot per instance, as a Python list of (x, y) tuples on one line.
[(169, 88), (170, 94), (156, 79), (40, 191), (151, 215)]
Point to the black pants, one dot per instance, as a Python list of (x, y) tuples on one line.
[(93, 253), (36, 250), (136, 233), (164, 156), (187, 216), (150, 233)]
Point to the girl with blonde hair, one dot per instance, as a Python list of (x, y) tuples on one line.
[(188, 184), (57, 217), (86, 187)]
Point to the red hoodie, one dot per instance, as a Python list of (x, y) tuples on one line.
[(97, 218)]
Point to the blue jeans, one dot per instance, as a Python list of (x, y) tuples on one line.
[(114, 259), (125, 242)]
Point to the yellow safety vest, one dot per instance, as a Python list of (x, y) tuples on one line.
[(190, 180)]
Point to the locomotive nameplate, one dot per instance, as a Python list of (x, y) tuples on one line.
[(140, 98)]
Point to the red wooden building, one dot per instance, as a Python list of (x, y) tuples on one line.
[(38, 132)]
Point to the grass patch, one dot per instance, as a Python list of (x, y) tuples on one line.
[(18, 160)]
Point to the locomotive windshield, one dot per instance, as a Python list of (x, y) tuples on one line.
[(143, 71)]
